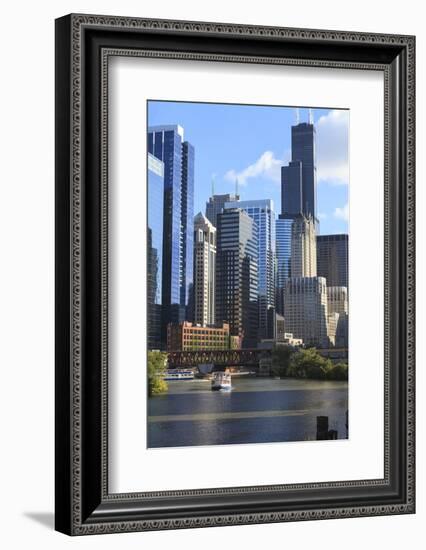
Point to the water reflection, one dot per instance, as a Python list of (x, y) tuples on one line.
[(256, 411)]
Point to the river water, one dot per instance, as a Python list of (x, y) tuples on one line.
[(257, 410)]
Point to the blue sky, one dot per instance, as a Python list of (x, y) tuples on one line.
[(251, 143)]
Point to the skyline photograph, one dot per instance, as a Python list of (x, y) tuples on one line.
[(250, 145), (247, 274)]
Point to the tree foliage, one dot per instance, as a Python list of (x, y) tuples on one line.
[(157, 361), (281, 356), (305, 363), (308, 363), (339, 372)]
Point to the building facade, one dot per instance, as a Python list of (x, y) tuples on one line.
[(303, 247), (237, 275), (332, 259), (167, 144), (283, 231), (303, 149), (204, 270), (337, 299), (305, 310), (332, 323), (215, 205), (342, 331), (155, 251), (187, 336), (291, 188), (280, 328), (262, 213), (187, 226)]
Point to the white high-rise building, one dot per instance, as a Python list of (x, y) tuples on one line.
[(204, 270), (337, 299), (303, 247), (305, 309), (337, 303), (332, 324)]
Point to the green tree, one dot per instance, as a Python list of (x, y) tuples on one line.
[(280, 360), (338, 372), (157, 362), (308, 363)]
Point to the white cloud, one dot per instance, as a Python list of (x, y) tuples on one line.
[(267, 166), (342, 213), (322, 215), (333, 147)]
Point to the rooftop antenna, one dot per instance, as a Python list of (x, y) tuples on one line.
[(311, 116), (236, 188), (213, 178), (297, 116)]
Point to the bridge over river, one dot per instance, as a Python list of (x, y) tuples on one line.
[(236, 357)]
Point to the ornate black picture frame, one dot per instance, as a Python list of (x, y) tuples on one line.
[(83, 46)]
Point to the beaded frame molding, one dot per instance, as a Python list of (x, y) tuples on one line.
[(84, 44)]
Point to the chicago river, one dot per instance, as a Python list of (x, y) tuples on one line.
[(257, 410)]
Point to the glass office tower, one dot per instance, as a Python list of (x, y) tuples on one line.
[(262, 213), (283, 231), (167, 144), (303, 150), (236, 275), (187, 227), (291, 188), (155, 250)]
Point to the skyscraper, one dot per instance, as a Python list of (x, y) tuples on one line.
[(283, 226), (303, 247), (187, 225), (166, 143), (332, 324), (204, 270), (337, 303), (305, 310), (332, 259), (337, 299), (155, 250), (303, 150), (262, 213), (291, 188), (215, 204), (237, 275)]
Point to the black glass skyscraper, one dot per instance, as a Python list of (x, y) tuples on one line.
[(303, 164), (291, 188)]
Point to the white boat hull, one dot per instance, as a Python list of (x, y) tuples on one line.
[(221, 382)]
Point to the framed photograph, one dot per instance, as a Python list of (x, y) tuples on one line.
[(234, 274)]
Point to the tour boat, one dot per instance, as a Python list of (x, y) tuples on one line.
[(178, 374), (221, 381)]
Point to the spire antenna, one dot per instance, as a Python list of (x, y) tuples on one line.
[(297, 116), (213, 178), (311, 116), (236, 188)]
